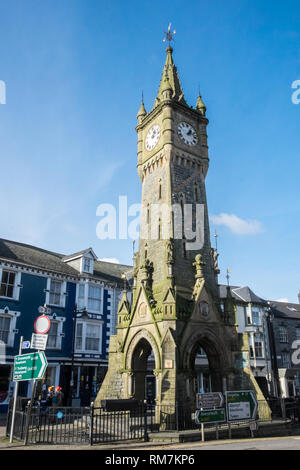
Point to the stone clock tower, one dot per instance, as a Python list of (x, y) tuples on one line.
[(175, 307)]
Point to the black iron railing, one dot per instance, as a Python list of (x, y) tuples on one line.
[(109, 426), (92, 425)]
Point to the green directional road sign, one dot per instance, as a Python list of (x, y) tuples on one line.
[(210, 416), (241, 405), (30, 366)]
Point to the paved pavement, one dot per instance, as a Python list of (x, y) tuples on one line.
[(269, 443)]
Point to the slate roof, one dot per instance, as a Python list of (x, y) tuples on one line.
[(50, 261), (241, 294), (285, 309)]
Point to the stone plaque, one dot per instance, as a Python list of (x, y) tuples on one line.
[(168, 364), (142, 310)]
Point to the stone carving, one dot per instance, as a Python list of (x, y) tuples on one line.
[(170, 251), (204, 309), (215, 256), (199, 263)]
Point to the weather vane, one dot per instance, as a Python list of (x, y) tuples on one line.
[(169, 35)]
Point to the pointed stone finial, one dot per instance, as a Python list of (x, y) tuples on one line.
[(200, 106), (142, 112)]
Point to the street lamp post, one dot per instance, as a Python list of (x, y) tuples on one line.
[(76, 311), (273, 352)]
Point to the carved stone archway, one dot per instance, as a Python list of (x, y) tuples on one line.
[(136, 357), (217, 356)]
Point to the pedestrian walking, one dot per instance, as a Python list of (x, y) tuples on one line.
[(58, 396), (50, 395)]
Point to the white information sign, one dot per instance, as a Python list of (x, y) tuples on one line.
[(38, 341), (239, 411)]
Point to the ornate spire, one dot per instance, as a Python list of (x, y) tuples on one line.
[(200, 106), (170, 71)]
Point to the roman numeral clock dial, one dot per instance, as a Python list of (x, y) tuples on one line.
[(152, 137), (187, 133)]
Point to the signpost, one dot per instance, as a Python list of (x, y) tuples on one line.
[(210, 416), (209, 400), (241, 405), (209, 410), (38, 341), (12, 424), (30, 366)]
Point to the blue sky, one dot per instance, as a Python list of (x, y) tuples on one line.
[(74, 72)]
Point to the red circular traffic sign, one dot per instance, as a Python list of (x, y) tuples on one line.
[(42, 325)]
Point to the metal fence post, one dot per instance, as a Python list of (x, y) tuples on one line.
[(92, 423), (146, 438), (28, 417), (283, 408)]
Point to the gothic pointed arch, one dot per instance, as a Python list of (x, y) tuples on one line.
[(140, 336)]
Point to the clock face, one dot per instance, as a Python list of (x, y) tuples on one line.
[(152, 137), (187, 133)]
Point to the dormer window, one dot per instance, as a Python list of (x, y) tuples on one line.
[(83, 261), (87, 265)]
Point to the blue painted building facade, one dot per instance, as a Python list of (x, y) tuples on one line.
[(82, 295)]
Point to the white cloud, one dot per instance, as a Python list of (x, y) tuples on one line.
[(237, 225), (110, 260), (282, 300)]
